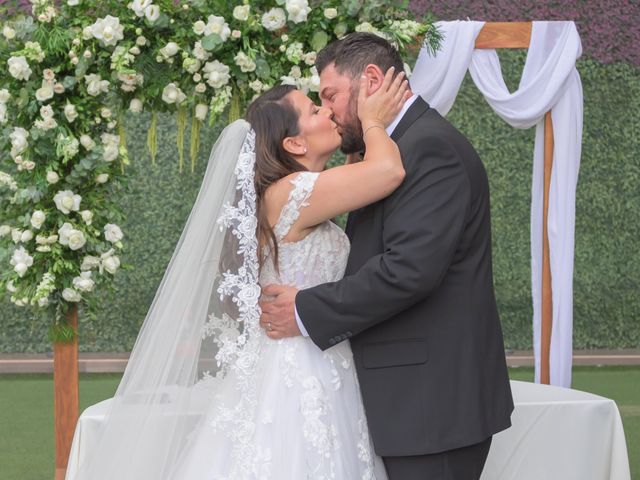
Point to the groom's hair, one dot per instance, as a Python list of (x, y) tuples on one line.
[(355, 51)]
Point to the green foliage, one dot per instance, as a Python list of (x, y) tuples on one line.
[(158, 199)]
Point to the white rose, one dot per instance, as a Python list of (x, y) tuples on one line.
[(152, 12), (112, 232), (256, 85), (201, 111), (170, 49), (70, 112), (199, 52), (109, 262), (173, 94), (52, 177), (139, 6), (8, 32), (102, 178), (274, 19), (66, 201), (108, 30), (46, 111), (218, 26), (19, 68), (86, 33), (21, 260), (241, 12), (330, 13), (18, 141), (73, 3), (87, 142), (16, 235), (105, 112), (84, 283), (201, 88), (44, 301), (199, 27), (298, 10), (4, 95), (135, 105), (28, 165), (95, 84), (26, 236), (37, 219), (58, 88), (244, 62), (5, 230), (89, 262), (71, 237), (216, 73), (48, 75), (71, 295), (236, 34), (87, 216), (3, 113), (310, 58)]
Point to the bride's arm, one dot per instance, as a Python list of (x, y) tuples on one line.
[(352, 186)]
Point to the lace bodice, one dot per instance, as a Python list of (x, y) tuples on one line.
[(319, 257)]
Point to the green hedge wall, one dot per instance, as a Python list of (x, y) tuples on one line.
[(607, 262)]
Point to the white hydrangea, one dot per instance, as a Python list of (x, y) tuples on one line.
[(33, 51), (19, 68), (21, 261), (295, 52), (6, 179), (245, 63), (298, 10), (216, 73), (108, 30), (274, 19)]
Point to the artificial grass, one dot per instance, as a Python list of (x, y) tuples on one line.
[(26, 413)]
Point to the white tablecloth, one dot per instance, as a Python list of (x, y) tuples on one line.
[(557, 434)]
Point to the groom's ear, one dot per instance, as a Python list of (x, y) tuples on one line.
[(375, 77)]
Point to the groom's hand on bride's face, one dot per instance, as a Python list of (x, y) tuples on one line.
[(278, 315)]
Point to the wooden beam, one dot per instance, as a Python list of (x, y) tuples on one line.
[(546, 291), (504, 35), (65, 398)]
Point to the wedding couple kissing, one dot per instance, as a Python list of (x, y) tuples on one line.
[(370, 353)]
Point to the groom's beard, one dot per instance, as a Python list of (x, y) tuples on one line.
[(352, 141)]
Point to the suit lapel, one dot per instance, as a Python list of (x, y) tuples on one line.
[(418, 107)]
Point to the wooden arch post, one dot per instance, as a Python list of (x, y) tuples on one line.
[(518, 35)]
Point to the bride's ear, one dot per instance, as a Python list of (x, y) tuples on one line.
[(294, 145)]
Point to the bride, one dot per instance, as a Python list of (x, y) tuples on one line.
[(206, 393)]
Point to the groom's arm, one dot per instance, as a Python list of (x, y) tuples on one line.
[(423, 221)]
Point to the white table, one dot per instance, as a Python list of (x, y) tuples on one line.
[(557, 434)]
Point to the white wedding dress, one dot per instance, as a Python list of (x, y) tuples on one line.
[(309, 420)]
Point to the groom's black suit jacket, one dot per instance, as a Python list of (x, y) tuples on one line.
[(417, 300)]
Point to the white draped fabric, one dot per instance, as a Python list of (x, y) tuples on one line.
[(549, 81)]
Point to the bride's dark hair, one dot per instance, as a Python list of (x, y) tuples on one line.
[(273, 118)]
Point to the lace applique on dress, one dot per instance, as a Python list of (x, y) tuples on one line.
[(298, 197)]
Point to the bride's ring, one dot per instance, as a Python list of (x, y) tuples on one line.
[(269, 326)]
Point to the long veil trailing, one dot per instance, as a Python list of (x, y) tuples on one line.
[(202, 326)]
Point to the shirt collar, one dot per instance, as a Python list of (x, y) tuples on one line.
[(405, 107)]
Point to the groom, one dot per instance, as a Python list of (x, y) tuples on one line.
[(417, 300)]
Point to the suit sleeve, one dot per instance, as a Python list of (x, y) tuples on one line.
[(423, 221)]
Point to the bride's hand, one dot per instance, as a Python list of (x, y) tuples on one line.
[(382, 106)]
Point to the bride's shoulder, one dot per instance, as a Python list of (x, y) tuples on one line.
[(276, 196)]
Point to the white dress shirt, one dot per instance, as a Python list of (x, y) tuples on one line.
[(389, 130)]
